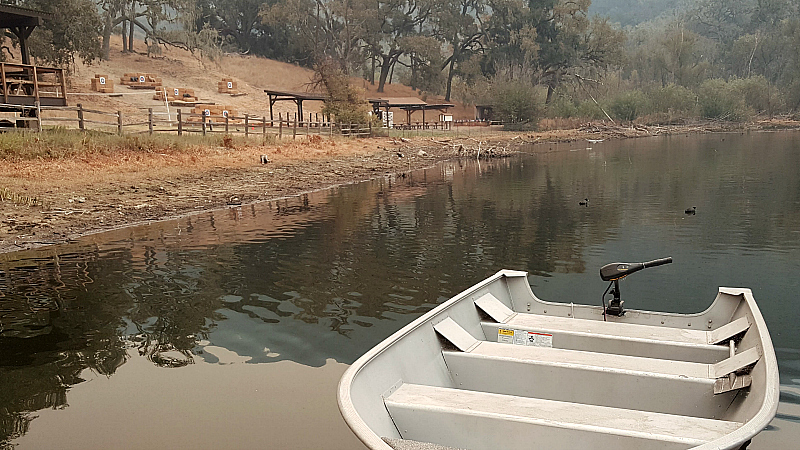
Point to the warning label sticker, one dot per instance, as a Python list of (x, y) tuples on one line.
[(528, 338)]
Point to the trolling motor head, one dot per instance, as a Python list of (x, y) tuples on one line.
[(616, 271)]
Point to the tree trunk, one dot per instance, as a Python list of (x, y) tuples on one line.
[(106, 52), (372, 74), (124, 36), (450, 73), (130, 35), (550, 90)]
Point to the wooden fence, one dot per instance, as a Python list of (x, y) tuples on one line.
[(38, 117)]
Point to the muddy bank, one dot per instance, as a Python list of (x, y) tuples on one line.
[(50, 202)]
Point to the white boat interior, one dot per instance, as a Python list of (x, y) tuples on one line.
[(496, 367)]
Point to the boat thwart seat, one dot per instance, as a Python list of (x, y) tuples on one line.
[(629, 338), (598, 378), (461, 416)]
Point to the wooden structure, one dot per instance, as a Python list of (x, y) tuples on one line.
[(230, 87), (484, 113), (138, 80), (215, 114), (410, 105), (296, 97), (179, 95), (103, 84), (27, 84)]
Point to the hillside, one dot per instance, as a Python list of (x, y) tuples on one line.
[(179, 68)]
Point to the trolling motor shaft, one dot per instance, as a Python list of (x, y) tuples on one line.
[(616, 271)]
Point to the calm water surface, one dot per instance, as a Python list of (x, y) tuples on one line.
[(230, 329)]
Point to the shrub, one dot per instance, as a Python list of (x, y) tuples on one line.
[(718, 99), (590, 110), (344, 102), (673, 99), (757, 93), (629, 105), (515, 102), (562, 106)]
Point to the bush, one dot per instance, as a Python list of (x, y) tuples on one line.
[(718, 99), (515, 102), (673, 99), (590, 110), (757, 93), (629, 105), (344, 102), (562, 106)]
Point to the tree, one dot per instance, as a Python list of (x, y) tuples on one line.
[(388, 26), (460, 25), (73, 29)]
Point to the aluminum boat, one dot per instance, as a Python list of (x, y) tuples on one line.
[(495, 367)]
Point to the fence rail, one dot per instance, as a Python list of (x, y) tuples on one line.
[(40, 116)]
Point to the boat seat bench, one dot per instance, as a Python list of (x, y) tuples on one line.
[(707, 378), (612, 337), (463, 415), (504, 315)]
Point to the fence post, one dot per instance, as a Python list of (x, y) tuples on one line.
[(370, 128), (294, 129), (150, 120), (226, 124), (38, 116), (264, 126), (246, 125), (180, 123), (280, 129), (81, 123), (119, 122), (204, 123), (330, 128)]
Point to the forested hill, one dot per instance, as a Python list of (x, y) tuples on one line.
[(633, 12)]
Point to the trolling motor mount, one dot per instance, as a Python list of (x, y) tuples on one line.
[(616, 271)]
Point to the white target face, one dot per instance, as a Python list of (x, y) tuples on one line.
[(141, 78), (230, 85), (177, 93), (207, 112), (224, 113), (102, 80)]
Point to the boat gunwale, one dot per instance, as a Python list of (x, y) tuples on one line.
[(730, 441)]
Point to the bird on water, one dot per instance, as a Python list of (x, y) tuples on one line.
[(692, 210), (584, 202)]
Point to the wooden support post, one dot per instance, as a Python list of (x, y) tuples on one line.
[(119, 123), (246, 126), (35, 84), (308, 125), (204, 124), (5, 86), (280, 129), (294, 129), (150, 120), (180, 123), (38, 116), (264, 127), (370, 128), (226, 124), (81, 123)]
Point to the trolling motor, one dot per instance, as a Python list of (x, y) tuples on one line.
[(616, 271)]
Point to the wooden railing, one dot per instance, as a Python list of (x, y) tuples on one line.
[(24, 84)]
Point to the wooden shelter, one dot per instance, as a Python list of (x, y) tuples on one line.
[(297, 97), (26, 84), (410, 105)]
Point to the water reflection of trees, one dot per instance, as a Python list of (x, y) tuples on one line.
[(63, 314)]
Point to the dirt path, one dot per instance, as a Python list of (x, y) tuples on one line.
[(46, 202)]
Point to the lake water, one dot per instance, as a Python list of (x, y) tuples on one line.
[(230, 329)]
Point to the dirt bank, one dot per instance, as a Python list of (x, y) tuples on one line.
[(48, 201)]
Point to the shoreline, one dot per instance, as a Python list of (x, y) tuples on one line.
[(90, 195)]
